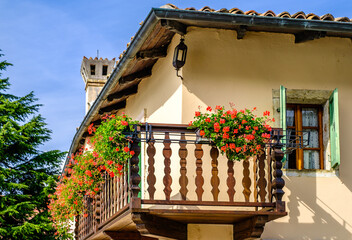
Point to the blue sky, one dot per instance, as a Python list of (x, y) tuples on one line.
[(46, 40)]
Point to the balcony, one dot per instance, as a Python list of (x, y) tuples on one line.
[(174, 180)]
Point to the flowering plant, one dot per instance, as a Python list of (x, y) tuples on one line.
[(238, 134), (84, 173)]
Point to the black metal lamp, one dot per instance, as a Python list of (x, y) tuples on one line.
[(180, 56)]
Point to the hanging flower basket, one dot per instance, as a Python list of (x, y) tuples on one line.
[(238, 134), (107, 152)]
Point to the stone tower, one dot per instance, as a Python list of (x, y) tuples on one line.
[(95, 72)]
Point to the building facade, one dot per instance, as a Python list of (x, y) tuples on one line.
[(297, 67)]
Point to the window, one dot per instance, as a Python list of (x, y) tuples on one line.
[(105, 70), (314, 111), (92, 69), (305, 121)]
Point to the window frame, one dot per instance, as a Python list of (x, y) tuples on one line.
[(299, 128)]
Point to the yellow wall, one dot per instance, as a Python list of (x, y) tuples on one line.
[(221, 69)]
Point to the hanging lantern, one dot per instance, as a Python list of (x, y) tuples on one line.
[(180, 55)]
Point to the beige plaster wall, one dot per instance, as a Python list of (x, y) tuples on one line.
[(221, 69)]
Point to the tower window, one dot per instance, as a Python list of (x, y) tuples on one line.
[(105, 70), (92, 69)]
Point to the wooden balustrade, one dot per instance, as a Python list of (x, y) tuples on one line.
[(200, 183)]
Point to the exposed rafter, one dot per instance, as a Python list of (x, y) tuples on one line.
[(308, 36), (241, 31), (174, 26), (147, 72), (126, 235), (153, 226), (115, 106), (152, 53), (123, 93)]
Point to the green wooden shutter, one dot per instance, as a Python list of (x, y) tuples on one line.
[(334, 129), (283, 115)]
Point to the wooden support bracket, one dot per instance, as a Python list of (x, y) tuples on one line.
[(174, 26), (115, 106), (126, 236), (152, 53), (157, 227), (123, 93), (308, 36), (249, 229), (147, 72), (241, 31)]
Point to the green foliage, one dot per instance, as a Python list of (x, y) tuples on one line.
[(238, 134), (110, 141), (26, 174)]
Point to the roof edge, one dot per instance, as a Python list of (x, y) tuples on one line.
[(253, 20)]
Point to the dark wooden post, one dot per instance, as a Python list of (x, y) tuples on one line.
[(77, 227), (278, 182), (135, 178), (96, 212)]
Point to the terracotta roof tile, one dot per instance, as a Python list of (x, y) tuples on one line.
[(268, 14), (327, 17), (236, 11), (298, 15), (251, 12), (284, 15), (312, 16)]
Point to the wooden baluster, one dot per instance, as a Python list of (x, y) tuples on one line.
[(255, 179), (97, 212), (108, 198), (183, 170), (125, 187), (135, 178), (269, 164), (116, 192), (198, 153), (230, 181), (167, 180), (246, 181), (104, 199), (77, 226), (151, 179), (119, 191), (278, 182), (262, 181), (215, 181)]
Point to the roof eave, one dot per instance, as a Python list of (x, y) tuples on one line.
[(227, 19)]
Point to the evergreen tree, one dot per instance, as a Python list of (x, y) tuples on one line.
[(26, 173)]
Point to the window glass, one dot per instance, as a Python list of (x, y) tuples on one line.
[(313, 138), (311, 159), (309, 117), (290, 117)]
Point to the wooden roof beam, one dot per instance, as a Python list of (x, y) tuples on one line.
[(152, 53), (147, 72), (308, 36), (174, 26), (115, 106), (124, 93), (241, 31)]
